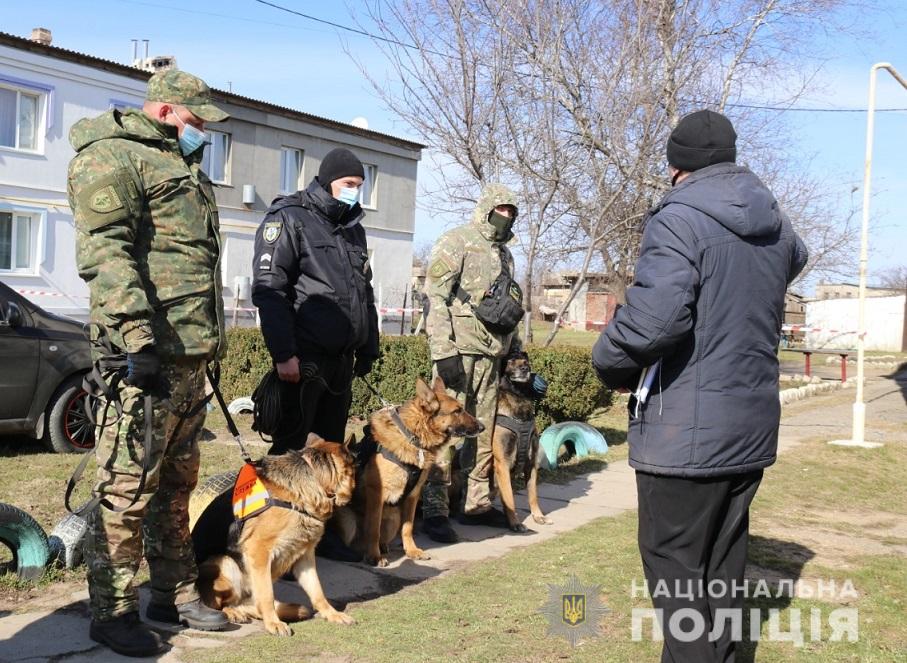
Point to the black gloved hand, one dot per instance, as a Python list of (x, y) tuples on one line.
[(539, 386), (450, 369), (363, 366), (143, 368)]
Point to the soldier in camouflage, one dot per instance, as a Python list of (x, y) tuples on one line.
[(148, 245), (467, 356)]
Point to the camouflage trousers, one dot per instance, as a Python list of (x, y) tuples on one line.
[(115, 540), (476, 462)]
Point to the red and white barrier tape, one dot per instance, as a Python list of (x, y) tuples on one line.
[(49, 293), (804, 328), (399, 310)]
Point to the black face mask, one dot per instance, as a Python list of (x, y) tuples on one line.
[(501, 224)]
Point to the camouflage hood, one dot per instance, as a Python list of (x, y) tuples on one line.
[(492, 196), (130, 125)]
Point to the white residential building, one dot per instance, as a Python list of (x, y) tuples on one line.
[(261, 151)]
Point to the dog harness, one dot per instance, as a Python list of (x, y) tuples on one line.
[(523, 431), (412, 471)]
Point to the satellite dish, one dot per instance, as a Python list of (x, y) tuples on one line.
[(360, 122)]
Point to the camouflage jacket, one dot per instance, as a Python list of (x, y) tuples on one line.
[(467, 256), (147, 236)]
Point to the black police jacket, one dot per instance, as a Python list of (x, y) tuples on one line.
[(312, 279)]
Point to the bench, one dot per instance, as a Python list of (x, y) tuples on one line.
[(807, 353)]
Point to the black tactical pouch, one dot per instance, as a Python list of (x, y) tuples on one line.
[(501, 307)]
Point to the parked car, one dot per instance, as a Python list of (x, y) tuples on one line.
[(43, 358)]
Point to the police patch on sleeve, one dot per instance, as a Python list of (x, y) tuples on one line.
[(272, 231)]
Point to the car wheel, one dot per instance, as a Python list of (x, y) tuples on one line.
[(69, 429), (26, 540)]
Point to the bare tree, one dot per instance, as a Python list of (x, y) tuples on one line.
[(518, 92), (894, 278)]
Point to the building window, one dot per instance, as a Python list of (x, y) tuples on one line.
[(216, 160), (18, 241), (290, 169), (368, 197), (19, 119)]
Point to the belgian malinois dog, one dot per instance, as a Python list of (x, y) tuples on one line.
[(405, 442), (310, 483), (516, 451)]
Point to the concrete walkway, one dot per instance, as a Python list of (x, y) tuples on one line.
[(62, 634)]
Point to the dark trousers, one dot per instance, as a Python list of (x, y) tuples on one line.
[(693, 530), (315, 405)]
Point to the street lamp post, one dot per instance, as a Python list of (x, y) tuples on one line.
[(858, 436)]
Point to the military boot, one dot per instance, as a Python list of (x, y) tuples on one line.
[(438, 529), (126, 635), (193, 614)]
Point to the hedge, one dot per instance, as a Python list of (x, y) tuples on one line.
[(574, 391)]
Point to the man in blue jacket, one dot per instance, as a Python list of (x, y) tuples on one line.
[(716, 258)]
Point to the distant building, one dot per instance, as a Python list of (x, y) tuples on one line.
[(591, 309), (851, 291)]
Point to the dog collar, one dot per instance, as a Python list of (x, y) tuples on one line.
[(408, 434)]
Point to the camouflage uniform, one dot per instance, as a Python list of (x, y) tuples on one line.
[(148, 245), (469, 256)]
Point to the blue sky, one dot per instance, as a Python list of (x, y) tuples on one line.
[(267, 54)]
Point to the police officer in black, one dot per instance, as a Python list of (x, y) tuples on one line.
[(312, 286)]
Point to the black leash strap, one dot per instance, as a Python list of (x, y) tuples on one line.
[(96, 499), (231, 425), (382, 399)]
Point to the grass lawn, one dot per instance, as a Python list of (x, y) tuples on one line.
[(821, 514)]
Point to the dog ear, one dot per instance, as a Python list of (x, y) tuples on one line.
[(312, 438), (350, 440), (427, 397), (438, 385)]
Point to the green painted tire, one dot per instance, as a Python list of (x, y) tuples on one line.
[(583, 438), (26, 540)]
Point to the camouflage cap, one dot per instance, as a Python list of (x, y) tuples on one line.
[(182, 89)]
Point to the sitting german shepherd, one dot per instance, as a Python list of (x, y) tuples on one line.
[(308, 485), (395, 459), (515, 442)]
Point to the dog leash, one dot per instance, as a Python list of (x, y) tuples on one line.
[(231, 425), (384, 401)]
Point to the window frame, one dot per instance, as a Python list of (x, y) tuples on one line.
[(372, 203), (228, 158), (36, 235), (41, 104), (284, 150)]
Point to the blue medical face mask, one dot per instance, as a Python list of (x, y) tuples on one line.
[(348, 195), (190, 138)]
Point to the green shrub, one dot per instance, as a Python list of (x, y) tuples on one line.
[(574, 391)]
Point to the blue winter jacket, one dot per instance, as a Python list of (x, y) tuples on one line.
[(716, 258)]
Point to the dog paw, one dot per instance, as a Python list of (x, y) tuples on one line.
[(278, 628), (543, 520), (337, 617), (417, 553), (236, 616), (518, 527), (376, 561)]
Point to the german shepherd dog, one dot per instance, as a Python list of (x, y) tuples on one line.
[(383, 504), (262, 548), (515, 401)]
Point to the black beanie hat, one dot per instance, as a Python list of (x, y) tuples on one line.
[(339, 163), (701, 139)]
